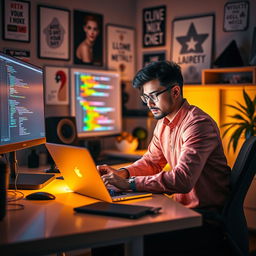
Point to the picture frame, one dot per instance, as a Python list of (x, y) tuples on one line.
[(192, 45), (88, 38), (236, 16), (16, 21), (149, 57), (56, 85), (53, 33), (253, 48), (121, 50), (154, 26)]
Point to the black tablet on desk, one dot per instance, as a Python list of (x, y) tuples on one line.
[(118, 210)]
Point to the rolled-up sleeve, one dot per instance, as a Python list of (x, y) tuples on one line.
[(199, 141)]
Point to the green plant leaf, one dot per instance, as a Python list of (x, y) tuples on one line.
[(234, 107), (237, 116), (233, 123), (235, 137), (226, 131), (249, 103), (241, 106)]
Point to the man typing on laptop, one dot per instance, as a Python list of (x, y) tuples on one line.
[(186, 138)]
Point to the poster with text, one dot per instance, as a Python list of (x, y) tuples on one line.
[(16, 20), (54, 33), (152, 57), (192, 40), (154, 20), (56, 85), (236, 16), (120, 51)]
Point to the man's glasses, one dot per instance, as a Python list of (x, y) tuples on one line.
[(154, 96)]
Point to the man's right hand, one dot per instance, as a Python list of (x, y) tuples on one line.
[(104, 169)]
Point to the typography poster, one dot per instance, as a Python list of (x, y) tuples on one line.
[(154, 25), (16, 20), (191, 47), (54, 33), (120, 51)]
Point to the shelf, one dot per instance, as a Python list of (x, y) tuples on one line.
[(229, 76)]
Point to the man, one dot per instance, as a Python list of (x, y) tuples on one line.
[(186, 138)]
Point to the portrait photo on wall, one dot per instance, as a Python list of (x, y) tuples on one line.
[(88, 38), (192, 45)]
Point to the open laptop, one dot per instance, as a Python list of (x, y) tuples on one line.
[(81, 175)]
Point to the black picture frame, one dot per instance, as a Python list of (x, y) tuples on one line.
[(148, 57), (236, 16), (192, 45), (16, 21), (154, 26), (80, 36), (53, 33)]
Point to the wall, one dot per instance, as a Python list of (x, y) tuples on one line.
[(114, 11), (178, 8), (129, 13)]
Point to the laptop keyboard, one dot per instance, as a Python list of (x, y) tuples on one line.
[(112, 161), (112, 192)]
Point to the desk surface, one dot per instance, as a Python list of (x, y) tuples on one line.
[(52, 226)]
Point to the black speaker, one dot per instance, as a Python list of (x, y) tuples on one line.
[(61, 130)]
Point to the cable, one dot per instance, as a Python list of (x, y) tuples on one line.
[(14, 197)]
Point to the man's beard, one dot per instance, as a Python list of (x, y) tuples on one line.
[(160, 116)]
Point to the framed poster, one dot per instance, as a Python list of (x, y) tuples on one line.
[(18, 53), (16, 20), (120, 50), (154, 26), (236, 16), (56, 85), (192, 45), (149, 57), (53, 33), (88, 38)]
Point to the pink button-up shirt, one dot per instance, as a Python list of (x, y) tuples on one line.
[(190, 142)]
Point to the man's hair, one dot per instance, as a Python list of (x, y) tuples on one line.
[(166, 72)]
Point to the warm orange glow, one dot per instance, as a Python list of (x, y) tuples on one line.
[(213, 100)]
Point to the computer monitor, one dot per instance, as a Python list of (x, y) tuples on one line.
[(96, 102), (21, 115)]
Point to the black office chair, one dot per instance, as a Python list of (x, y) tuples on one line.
[(232, 217)]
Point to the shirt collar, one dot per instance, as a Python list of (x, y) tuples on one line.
[(179, 116)]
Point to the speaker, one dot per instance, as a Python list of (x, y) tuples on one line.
[(61, 130)]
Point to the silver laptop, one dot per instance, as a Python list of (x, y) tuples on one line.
[(81, 175)]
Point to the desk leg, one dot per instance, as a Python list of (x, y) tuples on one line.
[(134, 247)]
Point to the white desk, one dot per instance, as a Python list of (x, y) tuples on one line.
[(44, 227)]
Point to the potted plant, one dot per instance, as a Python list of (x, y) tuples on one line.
[(244, 121)]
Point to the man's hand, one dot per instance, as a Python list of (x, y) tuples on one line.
[(114, 177)]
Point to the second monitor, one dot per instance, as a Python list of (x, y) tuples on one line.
[(96, 102)]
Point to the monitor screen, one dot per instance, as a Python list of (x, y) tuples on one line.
[(96, 102), (21, 105)]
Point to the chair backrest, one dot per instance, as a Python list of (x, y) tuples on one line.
[(233, 213)]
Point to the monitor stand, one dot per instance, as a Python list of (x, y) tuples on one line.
[(26, 180)]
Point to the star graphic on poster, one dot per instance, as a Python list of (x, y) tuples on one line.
[(192, 42)]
